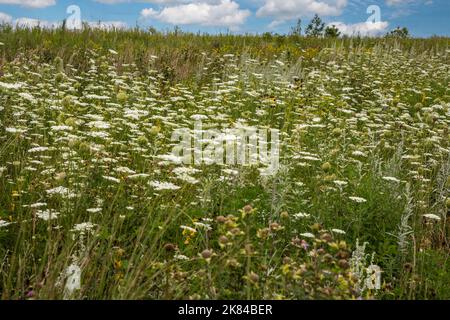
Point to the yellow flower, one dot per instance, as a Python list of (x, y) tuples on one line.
[(188, 233), (122, 96), (117, 264), (285, 269), (155, 130), (263, 233), (326, 166)]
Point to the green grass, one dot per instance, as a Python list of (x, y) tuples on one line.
[(364, 158)]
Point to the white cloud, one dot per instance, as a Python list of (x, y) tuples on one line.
[(397, 2), (4, 18), (32, 23), (223, 13), (108, 25), (30, 3), (283, 10), (111, 1), (368, 29), (144, 1), (404, 2)]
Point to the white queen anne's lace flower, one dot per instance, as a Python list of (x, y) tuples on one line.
[(37, 149), (391, 179), (84, 227), (61, 191), (340, 183), (432, 216), (307, 235), (301, 215), (4, 223), (47, 215), (163, 185), (358, 199)]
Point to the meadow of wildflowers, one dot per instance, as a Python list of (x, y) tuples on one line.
[(95, 205)]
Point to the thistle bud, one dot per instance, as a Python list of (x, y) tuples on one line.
[(221, 219), (122, 97), (326, 166), (284, 215), (253, 277), (169, 247), (206, 254)]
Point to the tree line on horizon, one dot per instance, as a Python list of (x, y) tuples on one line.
[(317, 29)]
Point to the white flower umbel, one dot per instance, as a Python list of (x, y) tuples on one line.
[(159, 186), (358, 199), (47, 215), (432, 216), (4, 223), (84, 227), (61, 191), (307, 235)]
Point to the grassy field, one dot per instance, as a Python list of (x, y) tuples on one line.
[(94, 206)]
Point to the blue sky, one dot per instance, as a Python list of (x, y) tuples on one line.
[(422, 17)]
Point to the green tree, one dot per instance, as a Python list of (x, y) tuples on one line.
[(399, 33), (315, 27), (332, 32), (177, 31), (152, 30), (297, 29)]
